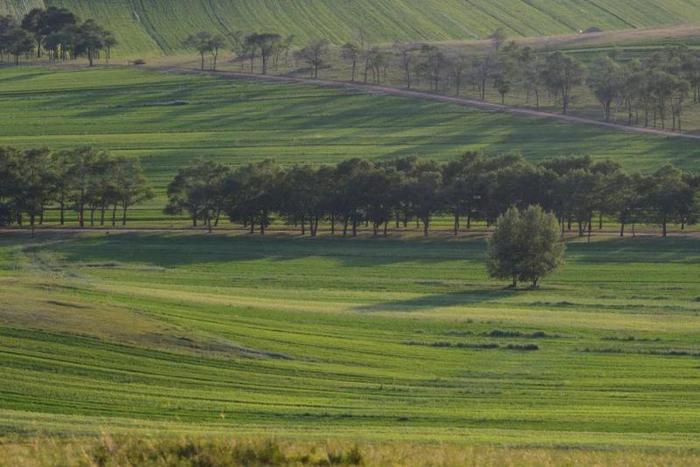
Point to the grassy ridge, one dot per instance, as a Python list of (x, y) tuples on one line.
[(157, 26), (168, 120), (234, 451), (137, 333)]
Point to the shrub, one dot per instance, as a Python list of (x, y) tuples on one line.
[(523, 347)]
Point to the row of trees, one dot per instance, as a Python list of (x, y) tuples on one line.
[(55, 31), (656, 87), (84, 180), (359, 192), (648, 91), (267, 48)]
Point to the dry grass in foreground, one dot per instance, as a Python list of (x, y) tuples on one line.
[(219, 451)]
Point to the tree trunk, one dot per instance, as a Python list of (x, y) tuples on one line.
[(62, 208)]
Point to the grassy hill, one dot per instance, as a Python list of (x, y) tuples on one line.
[(157, 26), (168, 120), (359, 339)]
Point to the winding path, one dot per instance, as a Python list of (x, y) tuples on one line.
[(392, 91)]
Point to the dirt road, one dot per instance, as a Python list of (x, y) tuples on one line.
[(386, 90)]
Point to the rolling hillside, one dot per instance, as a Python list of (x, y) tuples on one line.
[(167, 120), (157, 26), (363, 340)]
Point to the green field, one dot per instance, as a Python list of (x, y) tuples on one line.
[(358, 339), (159, 26), (164, 346), (168, 120)]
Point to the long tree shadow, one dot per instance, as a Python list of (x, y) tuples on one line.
[(444, 300), (174, 250)]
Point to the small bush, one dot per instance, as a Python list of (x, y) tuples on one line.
[(511, 334), (676, 353), (484, 345), (523, 347), (502, 333), (605, 350)]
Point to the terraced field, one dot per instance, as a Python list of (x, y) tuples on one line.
[(168, 120), (358, 339), (150, 27)]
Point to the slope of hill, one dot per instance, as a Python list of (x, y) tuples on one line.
[(155, 26), (168, 120), (363, 340)]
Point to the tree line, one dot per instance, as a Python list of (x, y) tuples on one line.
[(649, 91), (354, 193), (54, 31), (85, 181)]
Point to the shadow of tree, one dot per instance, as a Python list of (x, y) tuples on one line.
[(443, 300), (177, 249)]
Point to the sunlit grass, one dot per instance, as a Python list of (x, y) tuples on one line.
[(169, 120), (310, 339)]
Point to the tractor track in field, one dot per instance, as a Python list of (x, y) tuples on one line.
[(401, 92)]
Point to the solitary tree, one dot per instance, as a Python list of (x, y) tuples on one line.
[(525, 246)]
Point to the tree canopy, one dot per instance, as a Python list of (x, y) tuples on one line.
[(525, 246)]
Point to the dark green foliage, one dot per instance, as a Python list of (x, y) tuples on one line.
[(523, 347), (85, 180), (206, 43), (525, 246), (57, 31)]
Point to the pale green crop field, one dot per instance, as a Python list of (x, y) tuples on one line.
[(168, 120), (354, 339), (153, 27)]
